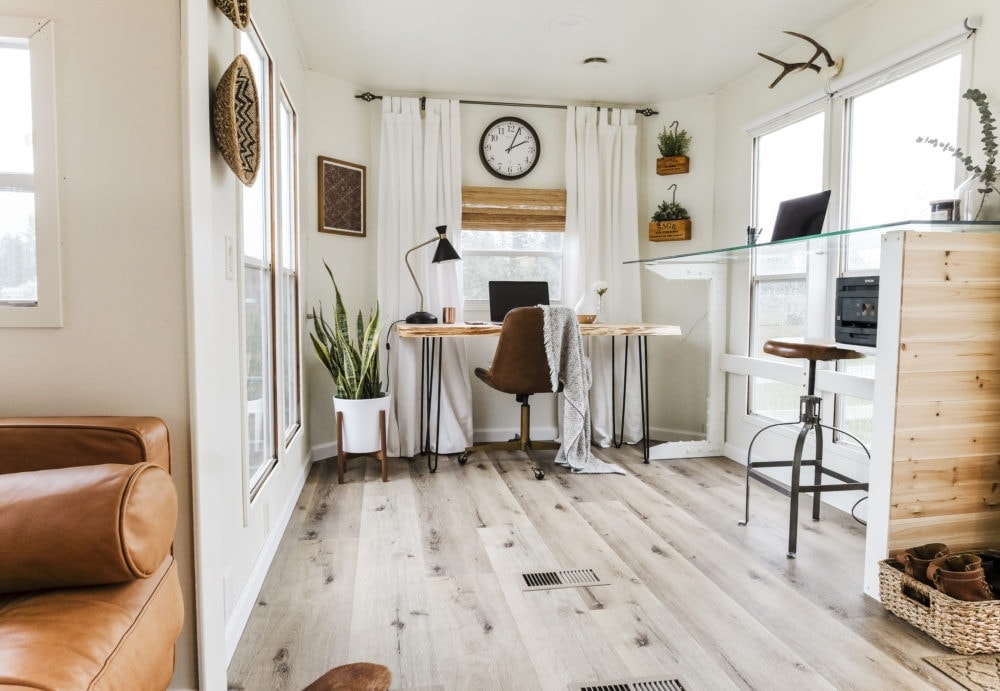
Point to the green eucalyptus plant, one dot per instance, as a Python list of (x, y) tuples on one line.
[(353, 364), (673, 142), (987, 173), (670, 211)]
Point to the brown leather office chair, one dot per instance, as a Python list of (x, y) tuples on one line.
[(519, 367)]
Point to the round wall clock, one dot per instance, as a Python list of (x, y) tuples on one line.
[(509, 148)]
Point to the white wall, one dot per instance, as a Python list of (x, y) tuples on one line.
[(334, 124), (123, 347), (236, 538), (678, 367)]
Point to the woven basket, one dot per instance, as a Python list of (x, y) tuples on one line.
[(236, 120), (965, 627), (238, 11)]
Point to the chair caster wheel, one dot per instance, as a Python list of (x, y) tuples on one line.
[(463, 458), (539, 473)]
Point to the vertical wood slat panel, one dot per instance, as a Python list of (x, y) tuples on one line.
[(945, 470)]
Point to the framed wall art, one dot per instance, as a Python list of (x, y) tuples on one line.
[(341, 197)]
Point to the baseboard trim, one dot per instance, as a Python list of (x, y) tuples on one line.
[(243, 608)]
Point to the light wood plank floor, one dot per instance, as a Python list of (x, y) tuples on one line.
[(422, 574)]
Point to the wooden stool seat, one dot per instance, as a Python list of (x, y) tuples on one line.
[(813, 350), (357, 676), (809, 349)]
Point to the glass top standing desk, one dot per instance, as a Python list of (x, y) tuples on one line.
[(936, 386), (430, 368)]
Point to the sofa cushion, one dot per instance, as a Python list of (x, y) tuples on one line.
[(87, 525), (100, 638)]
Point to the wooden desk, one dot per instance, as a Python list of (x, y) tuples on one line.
[(430, 348)]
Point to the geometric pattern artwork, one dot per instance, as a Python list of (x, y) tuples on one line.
[(341, 197), (237, 11), (236, 120)]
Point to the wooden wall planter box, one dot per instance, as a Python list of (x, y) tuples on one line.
[(671, 165), (670, 230)]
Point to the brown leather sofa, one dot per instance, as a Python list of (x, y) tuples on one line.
[(89, 592)]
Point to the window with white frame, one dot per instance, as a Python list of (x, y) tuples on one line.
[(286, 231), (886, 177), (511, 234), (257, 286), (789, 162), (30, 283)]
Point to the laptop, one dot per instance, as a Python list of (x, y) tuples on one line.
[(506, 295), (800, 216)]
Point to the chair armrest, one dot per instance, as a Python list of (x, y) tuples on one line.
[(41, 443)]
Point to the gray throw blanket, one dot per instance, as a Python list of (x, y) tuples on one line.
[(569, 366)]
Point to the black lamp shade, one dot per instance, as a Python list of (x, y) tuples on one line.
[(445, 252)]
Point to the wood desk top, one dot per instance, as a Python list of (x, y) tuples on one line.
[(466, 329)]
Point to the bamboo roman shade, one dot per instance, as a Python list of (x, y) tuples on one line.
[(510, 208)]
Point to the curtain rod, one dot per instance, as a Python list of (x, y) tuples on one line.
[(368, 97)]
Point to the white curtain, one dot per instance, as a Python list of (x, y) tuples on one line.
[(420, 188), (602, 232)]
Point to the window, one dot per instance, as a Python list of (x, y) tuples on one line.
[(258, 294), (511, 234), (270, 281), (779, 284), (286, 196), (30, 285), (886, 176)]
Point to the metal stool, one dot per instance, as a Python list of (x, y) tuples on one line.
[(809, 418)]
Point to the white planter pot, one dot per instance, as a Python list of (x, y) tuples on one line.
[(361, 433)]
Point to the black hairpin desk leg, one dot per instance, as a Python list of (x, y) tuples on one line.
[(616, 438)]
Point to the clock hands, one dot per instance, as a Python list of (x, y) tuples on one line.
[(514, 139)]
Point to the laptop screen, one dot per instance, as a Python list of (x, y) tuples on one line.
[(506, 295), (800, 216)]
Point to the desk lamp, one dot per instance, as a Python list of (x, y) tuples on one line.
[(444, 253)]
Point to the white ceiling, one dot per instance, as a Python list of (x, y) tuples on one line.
[(657, 50)]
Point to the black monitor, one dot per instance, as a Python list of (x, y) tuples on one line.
[(506, 295), (800, 216)]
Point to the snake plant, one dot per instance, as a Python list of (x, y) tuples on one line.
[(352, 363)]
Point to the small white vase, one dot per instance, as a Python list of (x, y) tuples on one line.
[(974, 205), (361, 433)]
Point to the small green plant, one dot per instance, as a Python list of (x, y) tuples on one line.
[(353, 364), (673, 142), (670, 211), (986, 174)]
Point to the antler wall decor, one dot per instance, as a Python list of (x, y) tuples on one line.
[(832, 68)]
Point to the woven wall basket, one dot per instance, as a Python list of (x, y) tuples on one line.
[(238, 11), (236, 120)]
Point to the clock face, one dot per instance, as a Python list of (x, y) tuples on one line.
[(509, 148)]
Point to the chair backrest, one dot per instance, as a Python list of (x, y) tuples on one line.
[(519, 363)]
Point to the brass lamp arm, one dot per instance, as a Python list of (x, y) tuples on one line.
[(406, 259)]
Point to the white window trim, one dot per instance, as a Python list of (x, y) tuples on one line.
[(48, 311)]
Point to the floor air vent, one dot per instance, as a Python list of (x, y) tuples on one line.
[(645, 684), (568, 578)]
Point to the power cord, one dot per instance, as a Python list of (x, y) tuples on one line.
[(388, 331)]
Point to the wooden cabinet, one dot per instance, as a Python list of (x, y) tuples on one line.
[(935, 473)]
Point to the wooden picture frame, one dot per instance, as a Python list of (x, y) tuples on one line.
[(341, 197)]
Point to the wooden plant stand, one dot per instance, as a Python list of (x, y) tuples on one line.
[(342, 455)]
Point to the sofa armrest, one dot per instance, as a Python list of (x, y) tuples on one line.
[(42, 443)]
